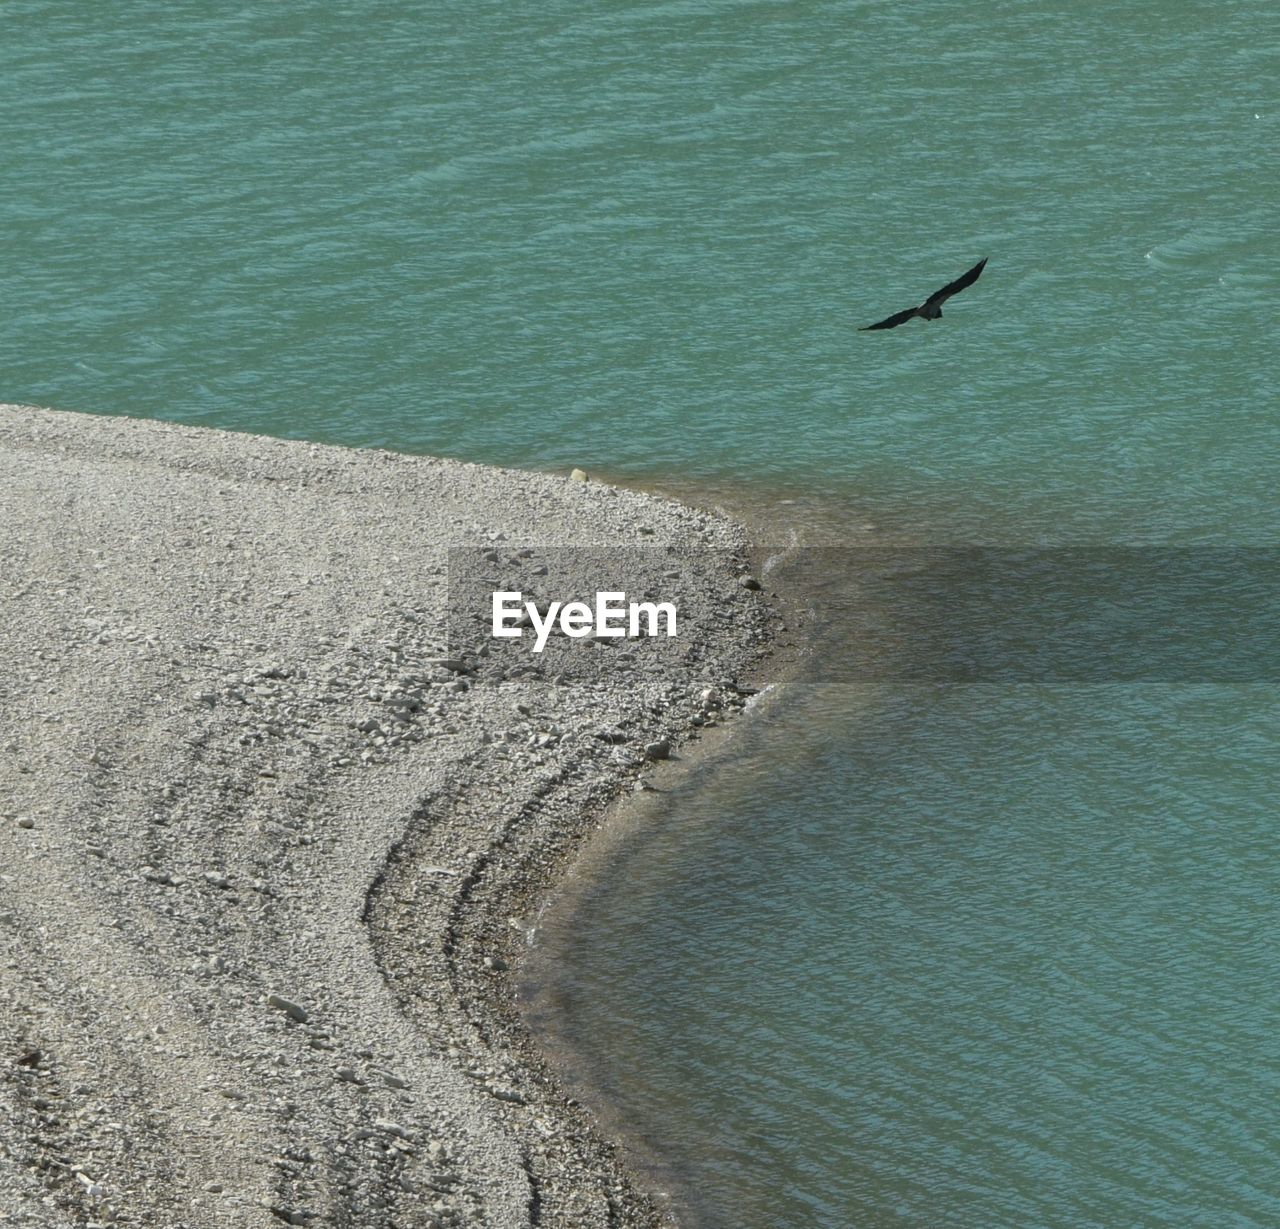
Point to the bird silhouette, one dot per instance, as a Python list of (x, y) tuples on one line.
[(931, 308)]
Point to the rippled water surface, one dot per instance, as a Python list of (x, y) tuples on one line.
[(640, 236), (949, 956), (911, 955)]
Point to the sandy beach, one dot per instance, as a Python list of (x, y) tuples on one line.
[(270, 845)]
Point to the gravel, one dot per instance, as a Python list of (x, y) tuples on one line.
[(272, 836)]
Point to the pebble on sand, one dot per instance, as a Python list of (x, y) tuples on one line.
[(290, 1009)]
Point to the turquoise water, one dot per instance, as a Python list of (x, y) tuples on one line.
[(956, 956), (640, 239)]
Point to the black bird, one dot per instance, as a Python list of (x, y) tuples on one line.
[(931, 308)]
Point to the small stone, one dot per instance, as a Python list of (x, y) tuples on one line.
[(393, 1081), (25, 821), (289, 1217), (218, 881), (348, 1075), (456, 664), (393, 1128), (660, 750), (578, 475), (290, 1009), (749, 582)]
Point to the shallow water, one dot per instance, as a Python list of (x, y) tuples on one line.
[(946, 956), (918, 955)]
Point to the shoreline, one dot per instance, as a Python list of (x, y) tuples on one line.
[(293, 849), (628, 819)]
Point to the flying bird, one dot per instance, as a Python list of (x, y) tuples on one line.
[(931, 308)]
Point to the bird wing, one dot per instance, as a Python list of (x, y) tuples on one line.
[(891, 322), (963, 281)]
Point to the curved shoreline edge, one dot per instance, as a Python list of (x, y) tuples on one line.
[(267, 858)]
